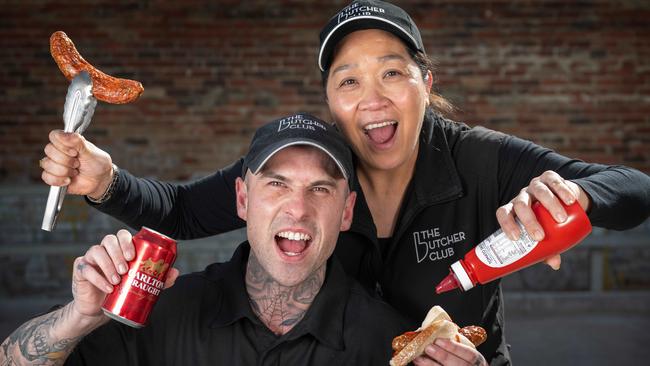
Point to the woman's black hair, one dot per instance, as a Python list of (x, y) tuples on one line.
[(426, 64)]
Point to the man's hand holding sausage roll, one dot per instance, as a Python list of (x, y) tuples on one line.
[(439, 342)]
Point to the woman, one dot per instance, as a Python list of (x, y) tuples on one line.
[(428, 188)]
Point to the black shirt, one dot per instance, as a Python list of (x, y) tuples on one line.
[(206, 319), (462, 176)]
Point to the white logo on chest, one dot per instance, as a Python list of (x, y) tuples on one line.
[(431, 245)]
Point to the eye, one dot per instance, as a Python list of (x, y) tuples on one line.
[(320, 189), (276, 183), (392, 73), (347, 82)]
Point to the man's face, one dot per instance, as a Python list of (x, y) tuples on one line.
[(294, 210)]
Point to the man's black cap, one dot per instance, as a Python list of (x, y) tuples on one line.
[(298, 129), (367, 14)]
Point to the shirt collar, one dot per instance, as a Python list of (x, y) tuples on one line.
[(234, 304), (323, 320), (436, 178)]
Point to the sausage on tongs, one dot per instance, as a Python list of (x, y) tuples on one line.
[(86, 87)]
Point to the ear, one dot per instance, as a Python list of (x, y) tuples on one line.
[(429, 81), (348, 211), (242, 198)]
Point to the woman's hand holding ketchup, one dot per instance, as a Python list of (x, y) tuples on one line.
[(549, 188)]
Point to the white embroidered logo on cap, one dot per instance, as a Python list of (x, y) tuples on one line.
[(355, 10), (299, 121)]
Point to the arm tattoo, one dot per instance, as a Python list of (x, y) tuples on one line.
[(33, 343), (280, 307), (80, 268)]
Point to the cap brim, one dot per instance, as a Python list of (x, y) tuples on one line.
[(359, 23), (272, 149)]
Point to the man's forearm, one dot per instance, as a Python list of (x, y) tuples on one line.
[(46, 340)]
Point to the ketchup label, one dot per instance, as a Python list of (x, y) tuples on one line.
[(499, 251)]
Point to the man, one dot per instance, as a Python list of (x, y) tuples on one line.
[(279, 300)]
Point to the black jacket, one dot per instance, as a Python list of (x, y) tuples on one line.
[(461, 177)]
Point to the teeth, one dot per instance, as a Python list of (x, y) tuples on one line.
[(294, 236), (291, 254), (379, 124)]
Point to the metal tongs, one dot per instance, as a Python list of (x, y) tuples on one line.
[(77, 112)]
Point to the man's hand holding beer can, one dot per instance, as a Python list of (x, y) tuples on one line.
[(123, 276)]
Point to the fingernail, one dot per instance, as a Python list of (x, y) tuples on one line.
[(109, 288), (121, 268), (115, 279), (538, 235), (128, 255), (560, 217), (569, 198)]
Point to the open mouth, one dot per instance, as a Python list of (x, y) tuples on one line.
[(292, 243), (381, 132)]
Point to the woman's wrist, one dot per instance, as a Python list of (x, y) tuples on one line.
[(103, 195)]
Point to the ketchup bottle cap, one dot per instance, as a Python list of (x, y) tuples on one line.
[(447, 284)]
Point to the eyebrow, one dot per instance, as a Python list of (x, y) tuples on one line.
[(329, 183), (343, 68), (381, 59), (323, 182), (269, 174), (391, 57)]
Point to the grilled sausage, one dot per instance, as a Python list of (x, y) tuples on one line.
[(105, 87), (475, 334)]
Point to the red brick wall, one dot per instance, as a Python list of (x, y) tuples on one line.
[(574, 75)]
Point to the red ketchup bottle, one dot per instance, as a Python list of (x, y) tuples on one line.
[(498, 256)]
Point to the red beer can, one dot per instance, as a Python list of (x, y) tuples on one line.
[(133, 299)]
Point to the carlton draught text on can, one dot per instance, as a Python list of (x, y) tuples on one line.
[(133, 299)]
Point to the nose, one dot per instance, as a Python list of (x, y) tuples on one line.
[(373, 97), (297, 205)]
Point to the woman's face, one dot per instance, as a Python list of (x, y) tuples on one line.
[(377, 97)]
